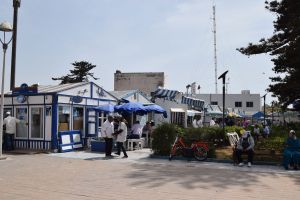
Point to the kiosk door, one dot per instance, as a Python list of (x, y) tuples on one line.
[(22, 128)]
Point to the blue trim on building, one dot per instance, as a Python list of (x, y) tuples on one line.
[(91, 84), (54, 141), (66, 95)]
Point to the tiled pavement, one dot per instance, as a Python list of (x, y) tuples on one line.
[(84, 175)]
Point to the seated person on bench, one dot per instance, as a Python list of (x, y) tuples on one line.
[(136, 131), (245, 145)]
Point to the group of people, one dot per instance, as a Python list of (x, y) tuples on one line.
[(198, 122), (114, 128), (291, 154)]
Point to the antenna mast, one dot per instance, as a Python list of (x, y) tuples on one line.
[(215, 47)]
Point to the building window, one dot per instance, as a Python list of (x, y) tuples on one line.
[(249, 104), (214, 103), (238, 104), (178, 118)]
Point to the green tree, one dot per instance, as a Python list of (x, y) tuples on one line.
[(80, 73), (284, 47)]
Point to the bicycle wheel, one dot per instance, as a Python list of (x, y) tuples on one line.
[(200, 153)]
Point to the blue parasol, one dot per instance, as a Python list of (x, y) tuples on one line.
[(130, 107), (157, 109), (108, 108)]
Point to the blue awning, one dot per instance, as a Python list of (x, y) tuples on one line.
[(195, 103), (164, 93)]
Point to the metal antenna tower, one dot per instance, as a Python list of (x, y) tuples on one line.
[(215, 47)]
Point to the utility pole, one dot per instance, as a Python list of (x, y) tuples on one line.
[(215, 48), (16, 5)]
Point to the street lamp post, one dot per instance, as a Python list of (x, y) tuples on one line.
[(223, 77), (4, 27), (264, 108), (16, 5)]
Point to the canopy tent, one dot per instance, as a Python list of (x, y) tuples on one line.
[(258, 115), (192, 113), (233, 114), (213, 110)]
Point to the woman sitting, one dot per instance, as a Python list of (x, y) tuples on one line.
[(245, 145), (291, 153)]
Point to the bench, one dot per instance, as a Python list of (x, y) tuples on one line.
[(139, 144), (233, 139)]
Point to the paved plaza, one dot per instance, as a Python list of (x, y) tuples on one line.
[(84, 175)]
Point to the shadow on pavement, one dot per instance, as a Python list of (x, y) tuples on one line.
[(154, 175)]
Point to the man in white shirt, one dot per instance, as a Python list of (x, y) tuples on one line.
[(199, 122), (136, 131), (107, 133), (212, 122), (195, 124), (121, 137), (10, 130)]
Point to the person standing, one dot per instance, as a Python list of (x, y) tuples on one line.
[(200, 122), (121, 137), (212, 122), (107, 133), (10, 124), (195, 124)]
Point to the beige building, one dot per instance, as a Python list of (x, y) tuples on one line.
[(146, 82)]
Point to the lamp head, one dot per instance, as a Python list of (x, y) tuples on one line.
[(5, 27), (223, 75)]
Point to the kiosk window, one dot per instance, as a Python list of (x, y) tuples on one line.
[(36, 122), (63, 118)]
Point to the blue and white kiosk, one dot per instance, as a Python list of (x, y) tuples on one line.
[(47, 112)]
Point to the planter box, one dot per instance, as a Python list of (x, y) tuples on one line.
[(98, 146)]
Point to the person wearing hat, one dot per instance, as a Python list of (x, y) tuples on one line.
[(291, 153), (10, 131), (245, 145)]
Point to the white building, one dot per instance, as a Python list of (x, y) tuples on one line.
[(245, 102)]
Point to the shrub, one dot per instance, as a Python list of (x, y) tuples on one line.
[(163, 138), (276, 143)]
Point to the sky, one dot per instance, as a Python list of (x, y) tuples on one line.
[(170, 36)]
